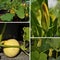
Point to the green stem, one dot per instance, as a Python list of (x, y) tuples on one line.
[(8, 46), (3, 30)]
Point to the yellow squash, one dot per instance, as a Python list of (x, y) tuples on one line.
[(11, 51)]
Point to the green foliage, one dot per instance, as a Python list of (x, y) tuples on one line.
[(36, 29), (7, 17), (47, 20), (26, 33), (54, 43), (42, 52), (19, 8), (5, 4), (43, 56), (20, 12), (35, 55)]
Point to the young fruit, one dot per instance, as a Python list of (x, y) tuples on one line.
[(11, 51), (12, 11)]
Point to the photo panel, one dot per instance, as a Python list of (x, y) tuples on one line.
[(14, 41), (45, 18), (14, 10), (45, 49)]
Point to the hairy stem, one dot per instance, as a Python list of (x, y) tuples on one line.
[(3, 30), (9, 46)]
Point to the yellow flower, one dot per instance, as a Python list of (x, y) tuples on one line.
[(50, 52)]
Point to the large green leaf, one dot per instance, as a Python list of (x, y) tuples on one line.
[(7, 17), (44, 47), (42, 56), (5, 4), (20, 12), (54, 43), (34, 55)]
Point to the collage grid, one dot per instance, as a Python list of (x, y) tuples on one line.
[(14, 29), (45, 27), (29, 29)]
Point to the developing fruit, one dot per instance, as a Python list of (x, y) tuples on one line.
[(12, 11), (11, 51)]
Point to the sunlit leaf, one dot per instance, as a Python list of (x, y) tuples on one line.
[(20, 12), (7, 17), (35, 55), (42, 56)]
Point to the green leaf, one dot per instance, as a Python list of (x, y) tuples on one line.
[(54, 43), (36, 29), (23, 47), (26, 33), (55, 26), (42, 56), (35, 6), (34, 55), (34, 46), (40, 1), (20, 12), (7, 17), (5, 4), (44, 47)]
